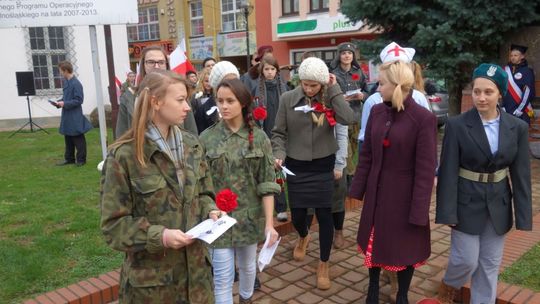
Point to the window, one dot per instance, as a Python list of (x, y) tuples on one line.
[(47, 49), (196, 13), (148, 26), (232, 18), (289, 7), (319, 5), (326, 55)]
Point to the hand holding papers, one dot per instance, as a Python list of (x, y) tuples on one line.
[(210, 230), (266, 254)]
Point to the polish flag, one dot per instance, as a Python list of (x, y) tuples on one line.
[(118, 86), (138, 72), (179, 61), (118, 81)]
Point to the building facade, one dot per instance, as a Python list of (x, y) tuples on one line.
[(211, 28), (297, 26), (39, 49)]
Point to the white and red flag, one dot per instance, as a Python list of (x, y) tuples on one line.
[(178, 60)]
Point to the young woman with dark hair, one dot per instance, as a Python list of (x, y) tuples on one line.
[(240, 159)]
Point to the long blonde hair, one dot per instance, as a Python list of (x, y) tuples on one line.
[(153, 86), (200, 85), (418, 77), (399, 74)]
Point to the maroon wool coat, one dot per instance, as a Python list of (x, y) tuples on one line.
[(396, 183)]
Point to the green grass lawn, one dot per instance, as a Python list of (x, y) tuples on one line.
[(49, 216), (525, 271)]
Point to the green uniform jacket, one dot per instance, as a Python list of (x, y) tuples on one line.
[(248, 173), (138, 203)]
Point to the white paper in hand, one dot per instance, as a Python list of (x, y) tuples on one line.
[(209, 230), (287, 171), (266, 254)]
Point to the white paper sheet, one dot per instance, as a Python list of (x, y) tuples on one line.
[(287, 171), (353, 92), (304, 108), (266, 254), (209, 230)]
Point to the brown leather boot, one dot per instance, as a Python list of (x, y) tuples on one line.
[(339, 241), (244, 301), (300, 249), (446, 293), (323, 276)]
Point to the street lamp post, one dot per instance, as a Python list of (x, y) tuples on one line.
[(247, 8)]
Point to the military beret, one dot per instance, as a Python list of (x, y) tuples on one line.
[(494, 73), (346, 46)]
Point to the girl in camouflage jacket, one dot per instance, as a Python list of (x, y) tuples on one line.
[(155, 186), (240, 159)]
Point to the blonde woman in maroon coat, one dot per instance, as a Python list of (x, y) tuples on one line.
[(394, 177)]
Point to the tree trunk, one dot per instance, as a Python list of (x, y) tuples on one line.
[(454, 97)]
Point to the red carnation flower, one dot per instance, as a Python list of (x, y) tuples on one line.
[(355, 77), (259, 113), (386, 143), (226, 200)]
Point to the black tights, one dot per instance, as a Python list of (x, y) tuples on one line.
[(404, 282), (326, 228), (338, 218)]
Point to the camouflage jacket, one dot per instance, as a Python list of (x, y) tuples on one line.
[(248, 173), (138, 203)]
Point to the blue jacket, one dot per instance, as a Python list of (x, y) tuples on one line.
[(73, 122), (524, 77)]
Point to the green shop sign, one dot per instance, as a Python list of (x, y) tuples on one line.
[(335, 24)]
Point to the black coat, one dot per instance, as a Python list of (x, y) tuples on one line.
[(468, 204)]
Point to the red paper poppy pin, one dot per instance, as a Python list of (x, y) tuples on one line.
[(355, 77), (226, 200), (386, 143)]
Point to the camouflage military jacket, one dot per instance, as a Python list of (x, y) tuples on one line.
[(138, 203), (248, 173)]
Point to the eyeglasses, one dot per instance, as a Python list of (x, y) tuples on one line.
[(154, 62)]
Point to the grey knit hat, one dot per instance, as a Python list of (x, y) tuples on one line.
[(315, 69), (219, 71)]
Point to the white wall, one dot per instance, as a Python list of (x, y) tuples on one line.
[(13, 57)]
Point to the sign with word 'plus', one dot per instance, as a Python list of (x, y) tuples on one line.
[(30, 13), (292, 27)]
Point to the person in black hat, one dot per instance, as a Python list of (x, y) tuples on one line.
[(520, 85), (484, 183), (353, 84)]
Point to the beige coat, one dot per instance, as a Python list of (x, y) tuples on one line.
[(296, 135)]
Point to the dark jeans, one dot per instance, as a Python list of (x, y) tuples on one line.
[(75, 142), (280, 202)]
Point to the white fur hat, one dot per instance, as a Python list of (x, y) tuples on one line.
[(219, 71), (394, 52), (315, 69)]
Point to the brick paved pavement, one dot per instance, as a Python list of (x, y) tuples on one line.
[(287, 281)]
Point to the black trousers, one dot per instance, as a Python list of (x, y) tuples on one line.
[(75, 142)]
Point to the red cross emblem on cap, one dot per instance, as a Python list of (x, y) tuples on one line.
[(396, 50)]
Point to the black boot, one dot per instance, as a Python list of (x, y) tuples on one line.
[(404, 281), (257, 284), (373, 289)]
